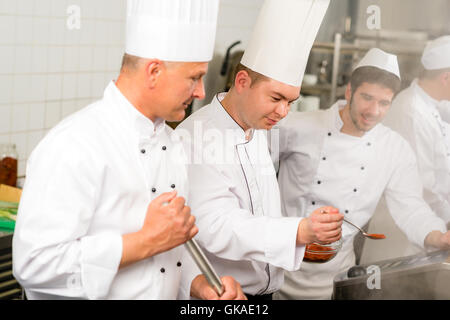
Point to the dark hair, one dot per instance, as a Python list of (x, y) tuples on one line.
[(432, 74), (254, 76), (375, 75)]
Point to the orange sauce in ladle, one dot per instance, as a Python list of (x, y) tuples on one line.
[(376, 236)]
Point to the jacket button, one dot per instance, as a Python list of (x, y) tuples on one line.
[(178, 264), (362, 168), (313, 203), (354, 190), (162, 270), (142, 150), (346, 211), (153, 189), (319, 182), (369, 144), (329, 134), (164, 148), (172, 186), (324, 158)]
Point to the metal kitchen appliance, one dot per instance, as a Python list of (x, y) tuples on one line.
[(424, 276)]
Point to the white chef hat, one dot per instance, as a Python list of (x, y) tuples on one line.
[(382, 60), (437, 54), (171, 30), (282, 38)]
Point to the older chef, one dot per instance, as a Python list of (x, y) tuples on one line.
[(344, 157), (233, 187), (92, 221), (416, 115)]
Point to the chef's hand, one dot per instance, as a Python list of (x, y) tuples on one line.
[(323, 225), (168, 223), (438, 240), (201, 289)]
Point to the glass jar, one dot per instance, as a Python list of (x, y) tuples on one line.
[(319, 253), (8, 164)]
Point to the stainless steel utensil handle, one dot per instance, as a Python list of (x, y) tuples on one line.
[(204, 265)]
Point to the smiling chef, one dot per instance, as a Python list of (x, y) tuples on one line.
[(344, 157)]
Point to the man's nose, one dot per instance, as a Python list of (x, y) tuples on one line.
[(199, 91), (282, 109)]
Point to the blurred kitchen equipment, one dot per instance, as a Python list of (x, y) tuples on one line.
[(375, 236), (229, 64), (8, 164), (424, 276), (319, 253), (309, 103), (226, 61), (204, 265), (323, 75), (309, 80)]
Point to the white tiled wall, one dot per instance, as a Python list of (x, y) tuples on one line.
[(48, 71)]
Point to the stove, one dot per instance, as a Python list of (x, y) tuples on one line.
[(423, 276)]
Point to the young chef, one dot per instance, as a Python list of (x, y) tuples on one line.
[(92, 221), (233, 187), (415, 115), (345, 158)]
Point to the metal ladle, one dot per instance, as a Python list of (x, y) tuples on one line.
[(374, 236)]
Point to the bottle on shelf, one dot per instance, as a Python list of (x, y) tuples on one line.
[(8, 164)]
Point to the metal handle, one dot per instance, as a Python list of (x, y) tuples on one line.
[(204, 265)]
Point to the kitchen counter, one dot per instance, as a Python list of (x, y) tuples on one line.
[(5, 239)]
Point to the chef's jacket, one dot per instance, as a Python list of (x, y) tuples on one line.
[(90, 181), (415, 115), (235, 198), (321, 166)]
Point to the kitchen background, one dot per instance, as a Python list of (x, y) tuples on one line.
[(48, 70)]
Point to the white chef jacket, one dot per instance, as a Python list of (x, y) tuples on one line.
[(415, 116), (235, 198), (321, 166), (89, 181)]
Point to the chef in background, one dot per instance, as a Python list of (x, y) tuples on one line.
[(233, 187), (345, 158), (103, 213), (420, 114)]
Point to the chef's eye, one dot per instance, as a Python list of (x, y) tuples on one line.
[(275, 99), (384, 103), (366, 97)]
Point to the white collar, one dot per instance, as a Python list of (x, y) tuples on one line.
[(226, 123), (143, 126)]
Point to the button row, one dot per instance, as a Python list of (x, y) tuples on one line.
[(164, 270)]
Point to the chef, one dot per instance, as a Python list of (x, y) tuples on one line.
[(419, 113), (343, 157), (233, 187), (103, 213)]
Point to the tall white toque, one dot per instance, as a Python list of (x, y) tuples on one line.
[(437, 54), (283, 37), (172, 30), (382, 60)]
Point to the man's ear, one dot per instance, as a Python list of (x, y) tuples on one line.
[(348, 92), (445, 78), (242, 81), (153, 70)]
